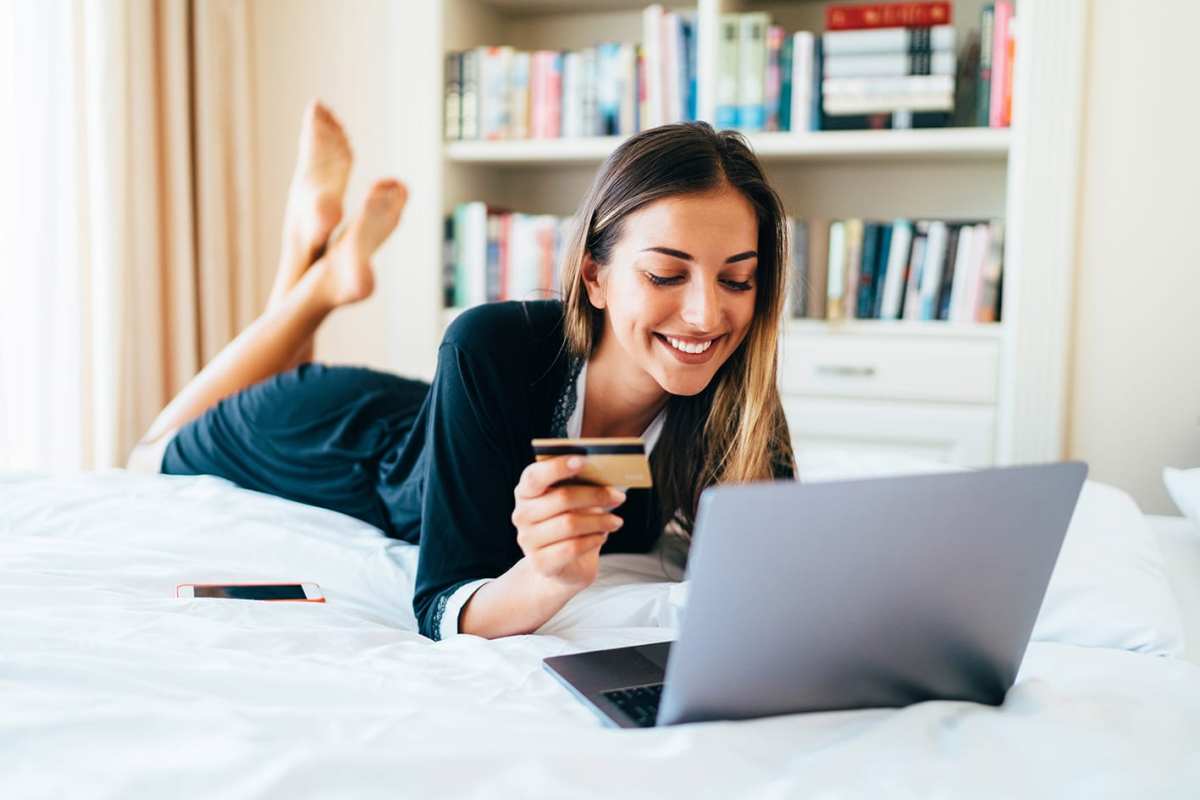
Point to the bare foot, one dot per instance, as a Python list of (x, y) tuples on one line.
[(348, 262), (314, 204)]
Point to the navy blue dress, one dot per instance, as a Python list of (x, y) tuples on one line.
[(433, 464)]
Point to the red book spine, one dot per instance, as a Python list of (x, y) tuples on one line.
[(887, 15)]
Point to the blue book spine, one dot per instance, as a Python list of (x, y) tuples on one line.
[(885, 249), (818, 66), (785, 85)]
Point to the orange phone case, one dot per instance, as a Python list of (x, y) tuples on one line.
[(320, 599)]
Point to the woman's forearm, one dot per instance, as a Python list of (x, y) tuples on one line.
[(519, 601)]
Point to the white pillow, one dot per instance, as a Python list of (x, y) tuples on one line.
[(1184, 487), (1108, 589)]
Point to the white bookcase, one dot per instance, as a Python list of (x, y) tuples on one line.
[(967, 394)]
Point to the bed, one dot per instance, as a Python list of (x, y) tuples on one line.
[(112, 687)]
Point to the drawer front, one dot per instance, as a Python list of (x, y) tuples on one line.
[(888, 367), (963, 435)]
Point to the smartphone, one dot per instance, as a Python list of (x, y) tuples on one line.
[(294, 592)]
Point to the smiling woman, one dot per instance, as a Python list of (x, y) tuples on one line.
[(675, 288), (669, 328)]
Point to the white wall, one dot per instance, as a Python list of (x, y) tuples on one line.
[(1135, 403), (371, 62)]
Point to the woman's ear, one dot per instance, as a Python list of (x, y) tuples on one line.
[(592, 281)]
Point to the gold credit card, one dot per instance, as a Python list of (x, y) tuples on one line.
[(613, 461)]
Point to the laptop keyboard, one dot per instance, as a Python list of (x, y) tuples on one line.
[(640, 703)]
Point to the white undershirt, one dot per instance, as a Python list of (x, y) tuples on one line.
[(462, 594)]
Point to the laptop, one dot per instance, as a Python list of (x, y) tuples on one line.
[(868, 593)]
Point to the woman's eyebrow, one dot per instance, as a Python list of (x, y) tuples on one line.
[(669, 251)]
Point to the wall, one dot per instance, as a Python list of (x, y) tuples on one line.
[(370, 62), (1135, 403)]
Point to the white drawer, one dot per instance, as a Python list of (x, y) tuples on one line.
[(890, 367), (954, 434)]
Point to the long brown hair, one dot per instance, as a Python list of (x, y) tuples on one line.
[(734, 430)]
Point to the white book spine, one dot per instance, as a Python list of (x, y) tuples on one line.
[(752, 71), (916, 264), (931, 273), (836, 269), (520, 93), (802, 80), (476, 252), (884, 65), (893, 282), (981, 242), (652, 23), (962, 272), (572, 118), (874, 87), (884, 104), (883, 40)]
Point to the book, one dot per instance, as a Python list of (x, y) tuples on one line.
[(892, 296), (888, 40), (469, 112), (453, 96), (752, 65), (853, 258), (885, 120), (818, 268), (728, 74), (863, 300), (966, 84), (798, 251), (875, 300), (941, 302), (886, 15), (881, 87), (931, 269), (1002, 15), (494, 100), (986, 42), (773, 81), (652, 24), (916, 265), (519, 96), (836, 271), (889, 65), (988, 307), (886, 104), (804, 77), (1009, 64), (785, 84)]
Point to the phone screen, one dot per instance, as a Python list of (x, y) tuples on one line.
[(290, 591)]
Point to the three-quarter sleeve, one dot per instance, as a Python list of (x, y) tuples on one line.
[(475, 431)]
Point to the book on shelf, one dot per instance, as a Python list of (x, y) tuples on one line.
[(493, 254), (609, 89), (886, 15), (901, 269)]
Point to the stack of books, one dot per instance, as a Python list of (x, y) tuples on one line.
[(888, 66), (492, 254), (765, 77), (612, 89), (900, 269), (996, 55)]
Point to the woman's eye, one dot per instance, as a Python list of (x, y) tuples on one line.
[(659, 280)]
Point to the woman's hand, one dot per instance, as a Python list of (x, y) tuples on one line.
[(561, 528)]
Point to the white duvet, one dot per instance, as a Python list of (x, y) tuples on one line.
[(112, 687)]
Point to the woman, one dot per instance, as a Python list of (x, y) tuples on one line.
[(674, 289)]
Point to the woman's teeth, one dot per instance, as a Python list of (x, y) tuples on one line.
[(679, 344)]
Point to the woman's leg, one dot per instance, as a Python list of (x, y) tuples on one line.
[(270, 344), (314, 204)]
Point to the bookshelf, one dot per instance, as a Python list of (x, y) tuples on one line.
[(967, 393)]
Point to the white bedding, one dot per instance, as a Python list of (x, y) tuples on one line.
[(111, 687)]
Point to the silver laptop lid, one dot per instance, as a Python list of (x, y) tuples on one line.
[(866, 593)]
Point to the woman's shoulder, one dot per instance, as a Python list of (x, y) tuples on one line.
[(503, 326)]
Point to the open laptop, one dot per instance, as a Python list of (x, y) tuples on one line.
[(853, 594)]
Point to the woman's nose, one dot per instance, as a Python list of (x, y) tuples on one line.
[(701, 307)]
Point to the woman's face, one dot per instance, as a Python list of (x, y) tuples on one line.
[(681, 278)]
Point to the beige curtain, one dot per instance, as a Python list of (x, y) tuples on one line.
[(148, 125)]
